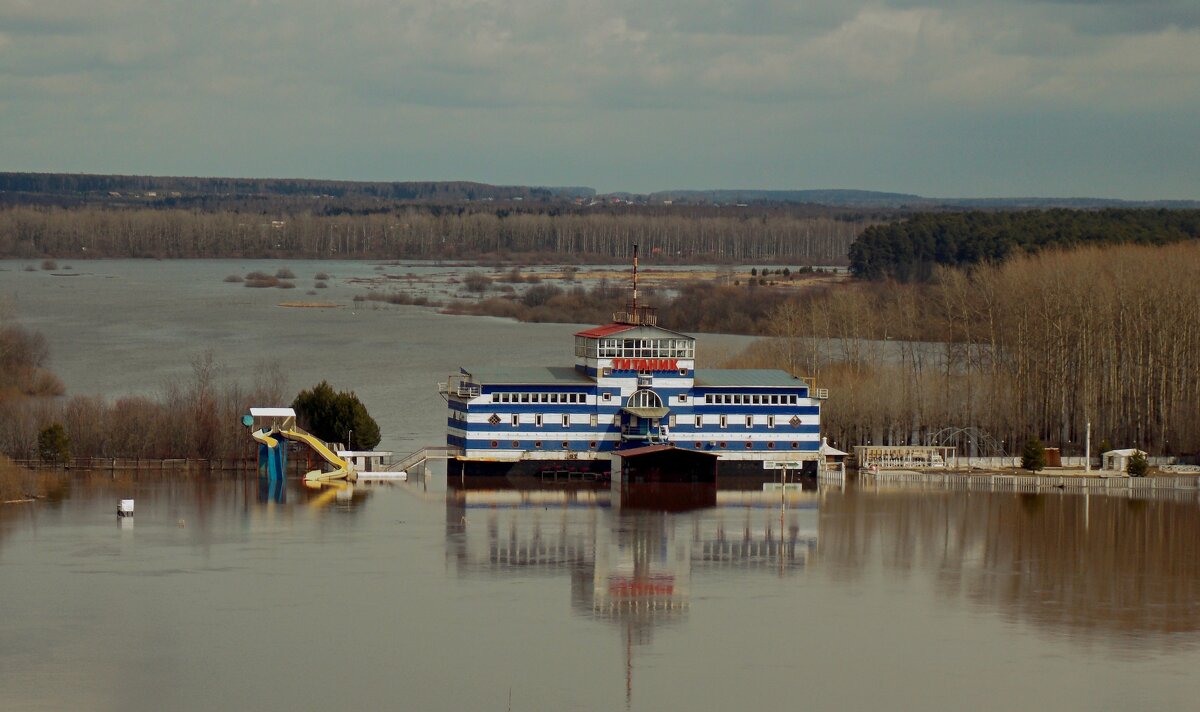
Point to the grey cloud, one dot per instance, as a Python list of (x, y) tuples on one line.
[(697, 90)]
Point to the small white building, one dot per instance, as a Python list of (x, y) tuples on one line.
[(366, 460), (1118, 460)]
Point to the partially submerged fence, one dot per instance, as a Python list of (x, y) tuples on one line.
[(150, 464), (1182, 488)]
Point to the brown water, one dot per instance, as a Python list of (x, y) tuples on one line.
[(219, 595)]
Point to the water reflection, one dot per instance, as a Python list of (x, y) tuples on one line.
[(631, 553), (1087, 565)]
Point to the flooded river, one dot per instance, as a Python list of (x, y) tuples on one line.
[(223, 593)]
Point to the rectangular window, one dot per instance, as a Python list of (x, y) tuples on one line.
[(606, 371), (682, 398), (593, 420), (724, 421), (708, 398), (770, 421), (699, 421), (775, 400), (537, 420), (607, 397), (516, 420), (566, 421), (793, 400), (683, 372), (524, 397), (749, 421), (671, 421), (616, 419)]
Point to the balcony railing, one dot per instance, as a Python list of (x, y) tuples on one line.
[(461, 389)]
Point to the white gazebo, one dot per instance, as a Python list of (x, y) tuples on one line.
[(1118, 460)]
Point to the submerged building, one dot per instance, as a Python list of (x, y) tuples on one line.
[(633, 385)]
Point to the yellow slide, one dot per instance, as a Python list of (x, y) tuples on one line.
[(264, 437), (343, 469)]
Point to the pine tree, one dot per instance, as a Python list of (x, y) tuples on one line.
[(1138, 464), (336, 417), (1033, 456)]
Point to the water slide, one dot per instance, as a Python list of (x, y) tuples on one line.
[(275, 456), (342, 468)]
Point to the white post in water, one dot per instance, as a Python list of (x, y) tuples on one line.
[(125, 509)]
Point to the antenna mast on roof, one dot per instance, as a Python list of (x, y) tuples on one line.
[(635, 277), (636, 315)]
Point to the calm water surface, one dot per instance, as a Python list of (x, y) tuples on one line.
[(223, 594)]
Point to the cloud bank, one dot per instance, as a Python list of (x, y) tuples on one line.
[(957, 97)]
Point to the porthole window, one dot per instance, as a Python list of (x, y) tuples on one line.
[(795, 446), (566, 445), (495, 444), (516, 444), (592, 444), (749, 444), (723, 444), (537, 443), (771, 446)]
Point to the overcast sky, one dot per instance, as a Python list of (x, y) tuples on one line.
[(937, 97)]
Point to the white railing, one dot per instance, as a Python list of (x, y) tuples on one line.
[(462, 389)]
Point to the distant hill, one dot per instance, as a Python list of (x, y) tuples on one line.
[(166, 188), (856, 198), (69, 189), (875, 199)]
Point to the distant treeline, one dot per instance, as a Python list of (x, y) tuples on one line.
[(200, 418), (909, 249), (803, 236), (167, 187), (1039, 345)]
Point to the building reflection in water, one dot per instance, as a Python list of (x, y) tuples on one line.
[(1104, 566), (632, 554)]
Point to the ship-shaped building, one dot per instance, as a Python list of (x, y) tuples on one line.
[(633, 390)]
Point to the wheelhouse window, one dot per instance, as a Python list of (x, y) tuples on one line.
[(537, 420)]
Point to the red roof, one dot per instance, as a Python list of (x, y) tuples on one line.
[(647, 449), (606, 330)]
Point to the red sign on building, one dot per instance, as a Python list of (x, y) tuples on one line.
[(645, 364)]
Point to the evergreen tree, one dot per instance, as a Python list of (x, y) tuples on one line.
[(1033, 456), (336, 417), (53, 444), (1138, 464)]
